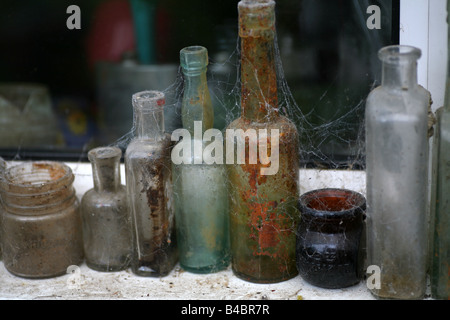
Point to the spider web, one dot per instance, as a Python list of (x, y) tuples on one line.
[(328, 115)]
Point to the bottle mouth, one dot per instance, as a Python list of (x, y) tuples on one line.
[(149, 99), (256, 3), (399, 53), (41, 185), (194, 58), (104, 153), (256, 17), (332, 203), (36, 177)]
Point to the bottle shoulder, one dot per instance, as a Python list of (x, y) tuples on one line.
[(385, 102), (94, 197), (381, 93), (148, 147)]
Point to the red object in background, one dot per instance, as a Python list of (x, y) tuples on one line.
[(163, 33), (112, 32)]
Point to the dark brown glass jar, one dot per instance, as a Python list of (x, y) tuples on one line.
[(330, 237), (42, 233)]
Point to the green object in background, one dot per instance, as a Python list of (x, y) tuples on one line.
[(440, 198), (144, 26)]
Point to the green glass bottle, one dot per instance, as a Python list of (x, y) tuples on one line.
[(201, 197), (440, 202), (262, 159)]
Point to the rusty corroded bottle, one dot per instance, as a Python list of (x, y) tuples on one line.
[(200, 191), (263, 171), (149, 188)]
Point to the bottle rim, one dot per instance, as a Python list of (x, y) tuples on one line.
[(36, 188), (149, 99), (398, 53), (194, 58), (256, 18), (36, 177), (104, 153), (346, 203), (256, 4)]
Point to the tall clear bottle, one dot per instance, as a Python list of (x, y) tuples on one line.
[(200, 190), (105, 214), (440, 201), (397, 173), (262, 159), (149, 188)]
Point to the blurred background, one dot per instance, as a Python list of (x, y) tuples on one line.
[(64, 91)]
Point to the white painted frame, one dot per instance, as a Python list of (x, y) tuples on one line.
[(423, 24)]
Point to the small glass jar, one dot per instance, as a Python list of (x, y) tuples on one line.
[(41, 224), (330, 237)]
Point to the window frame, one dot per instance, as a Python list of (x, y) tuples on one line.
[(423, 24)]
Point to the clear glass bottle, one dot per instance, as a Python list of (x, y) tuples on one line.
[(397, 173), (200, 190), (149, 188), (263, 192), (41, 221), (440, 198), (105, 214)]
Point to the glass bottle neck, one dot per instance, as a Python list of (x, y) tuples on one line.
[(197, 105), (259, 99), (402, 76), (399, 70), (149, 115), (106, 168), (149, 124), (106, 175), (195, 83)]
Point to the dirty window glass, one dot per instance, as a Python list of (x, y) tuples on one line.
[(68, 69)]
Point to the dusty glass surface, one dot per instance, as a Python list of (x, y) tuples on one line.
[(330, 238), (149, 189), (200, 190), (105, 214), (397, 175), (41, 222), (440, 197), (263, 205)]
